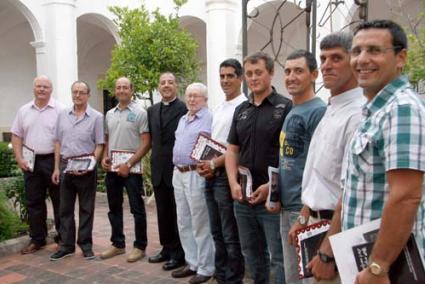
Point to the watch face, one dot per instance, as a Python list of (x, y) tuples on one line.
[(302, 220), (375, 268)]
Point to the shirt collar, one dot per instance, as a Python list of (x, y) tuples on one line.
[(51, 103), (170, 102), (199, 114), (272, 98), (89, 111), (385, 95), (235, 100), (130, 106), (346, 96)]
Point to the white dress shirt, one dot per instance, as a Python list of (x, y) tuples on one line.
[(321, 186), (222, 118)]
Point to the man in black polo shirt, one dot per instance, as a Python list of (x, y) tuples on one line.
[(254, 144)]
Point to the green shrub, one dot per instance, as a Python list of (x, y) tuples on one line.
[(100, 186), (14, 189), (8, 166), (10, 224), (147, 181)]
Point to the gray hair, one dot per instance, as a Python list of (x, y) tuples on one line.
[(337, 39), (199, 87)]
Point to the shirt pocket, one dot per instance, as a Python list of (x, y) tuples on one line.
[(363, 154)]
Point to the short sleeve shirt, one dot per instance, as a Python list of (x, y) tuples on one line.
[(295, 138), (124, 126), (79, 135), (256, 129), (390, 136), (37, 127)]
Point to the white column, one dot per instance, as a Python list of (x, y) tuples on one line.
[(222, 23), (61, 40), (40, 57)]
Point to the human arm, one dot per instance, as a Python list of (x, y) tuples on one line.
[(204, 168), (403, 201), (56, 170), (292, 236), (231, 163), (106, 160), (17, 150)]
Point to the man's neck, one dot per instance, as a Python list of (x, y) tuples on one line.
[(300, 99), (232, 96), (41, 103), (349, 86), (123, 104), (168, 100), (80, 109), (259, 97)]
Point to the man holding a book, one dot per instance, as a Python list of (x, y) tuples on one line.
[(229, 264), (33, 130), (386, 157), (127, 140)]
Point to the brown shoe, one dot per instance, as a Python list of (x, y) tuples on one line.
[(111, 252), (183, 272), (135, 255), (198, 279), (31, 248)]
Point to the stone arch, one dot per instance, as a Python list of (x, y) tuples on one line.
[(35, 25)]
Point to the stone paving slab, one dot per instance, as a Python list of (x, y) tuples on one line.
[(37, 268)]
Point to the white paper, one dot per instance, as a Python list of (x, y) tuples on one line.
[(342, 244), (273, 195)]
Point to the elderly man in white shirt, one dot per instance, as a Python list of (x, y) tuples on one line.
[(321, 186)]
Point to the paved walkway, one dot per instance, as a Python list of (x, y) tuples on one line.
[(37, 268)]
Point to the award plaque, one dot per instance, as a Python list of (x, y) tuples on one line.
[(206, 149), (273, 197), (121, 157), (245, 180), (80, 163)]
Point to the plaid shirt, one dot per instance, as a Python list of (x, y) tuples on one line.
[(390, 136)]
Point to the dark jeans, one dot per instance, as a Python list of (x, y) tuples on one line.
[(261, 244), (114, 188), (167, 221), (85, 188), (229, 262), (37, 184)]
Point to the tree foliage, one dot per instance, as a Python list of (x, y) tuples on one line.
[(151, 43)]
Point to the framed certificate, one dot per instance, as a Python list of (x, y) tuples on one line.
[(273, 197), (80, 163), (309, 240), (29, 156), (245, 180), (206, 148), (121, 157)]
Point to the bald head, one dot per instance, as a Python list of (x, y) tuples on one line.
[(42, 89), (123, 90)]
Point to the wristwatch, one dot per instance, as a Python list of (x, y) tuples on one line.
[(376, 269), (302, 220), (325, 258)]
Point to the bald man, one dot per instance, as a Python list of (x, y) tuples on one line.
[(34, 127)]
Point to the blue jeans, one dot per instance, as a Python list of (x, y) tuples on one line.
[(261, 242), (114, 188), (229, 263), (287, 219)]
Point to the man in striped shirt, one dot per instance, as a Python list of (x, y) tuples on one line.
[(386, 158)]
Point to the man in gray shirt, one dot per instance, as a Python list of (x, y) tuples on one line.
[(126, 129), (79, 132)]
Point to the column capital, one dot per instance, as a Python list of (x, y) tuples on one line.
[(61, 2), (221, 5), (40, 46)]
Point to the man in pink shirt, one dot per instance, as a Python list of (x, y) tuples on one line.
[(34, 127)]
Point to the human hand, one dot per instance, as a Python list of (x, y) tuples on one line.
[(292, 234), (322, 270), (55, 177), (260, 194), (106, 164), (366, 277), (23, 165), (123, 170)]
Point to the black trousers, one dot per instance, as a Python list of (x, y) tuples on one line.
[(85, 188), (167, 221), (115, 188), (37, 184)]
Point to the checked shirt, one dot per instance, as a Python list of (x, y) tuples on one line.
[(390, 136)]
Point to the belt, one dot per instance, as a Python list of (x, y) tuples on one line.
[(322, 214), (188, 168)]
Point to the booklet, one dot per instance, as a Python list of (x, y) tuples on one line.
[(29, 156), (80, 163), (206, 149), (352, 249), (121, 157), (245, 180), (309, 240), (273, 197)]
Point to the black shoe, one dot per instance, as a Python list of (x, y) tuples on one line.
[(88, 254), (183, 272), (60, 254), (173, 264), (198, 279), (160, 257)]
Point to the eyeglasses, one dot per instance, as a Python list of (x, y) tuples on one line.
[(194, 96), (372, 50), (76, 93)]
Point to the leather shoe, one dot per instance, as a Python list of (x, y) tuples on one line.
[(183, 272), (173, 264), (198, 278), (160, 257), (31, 248)]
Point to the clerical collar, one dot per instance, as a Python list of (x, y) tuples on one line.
[(169, 102)]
